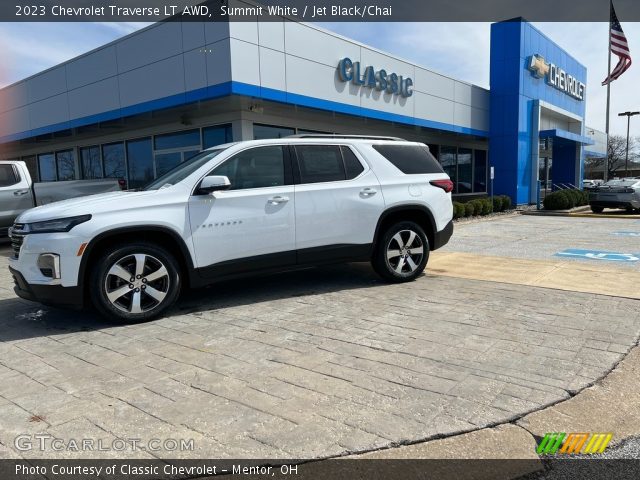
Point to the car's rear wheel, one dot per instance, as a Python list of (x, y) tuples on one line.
[(595, 209), (135, 283), (401, 253)]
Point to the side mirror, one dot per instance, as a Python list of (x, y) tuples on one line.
[(214, 183)]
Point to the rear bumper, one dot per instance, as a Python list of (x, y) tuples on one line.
[(442, 237), (69, 297)]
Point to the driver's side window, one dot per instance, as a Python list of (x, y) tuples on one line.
[(254, 168)]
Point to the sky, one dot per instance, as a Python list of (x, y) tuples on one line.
[(459, 50)]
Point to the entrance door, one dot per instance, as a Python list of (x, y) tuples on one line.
[(545, 166)]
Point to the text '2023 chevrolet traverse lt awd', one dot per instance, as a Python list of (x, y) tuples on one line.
[(240, 208)]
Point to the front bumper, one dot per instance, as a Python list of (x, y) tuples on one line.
[(69, 297), (442, 237)]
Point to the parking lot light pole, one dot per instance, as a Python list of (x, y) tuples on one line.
[(626, 157)]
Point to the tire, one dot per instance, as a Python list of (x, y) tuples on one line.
[(595, 209), (401, 253), (136, 299)]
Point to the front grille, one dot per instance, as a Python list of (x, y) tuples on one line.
[(17, 237)]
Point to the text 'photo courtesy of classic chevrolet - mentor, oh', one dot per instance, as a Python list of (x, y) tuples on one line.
[(236, 209)]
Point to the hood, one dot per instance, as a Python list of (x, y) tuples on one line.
[(92, 204)]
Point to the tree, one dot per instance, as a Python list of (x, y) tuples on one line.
[(616, 151)]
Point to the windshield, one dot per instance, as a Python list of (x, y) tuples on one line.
[(183, 170)]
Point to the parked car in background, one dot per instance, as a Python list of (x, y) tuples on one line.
[(249, 207), (618, 193), (589, 184), (18, 192)]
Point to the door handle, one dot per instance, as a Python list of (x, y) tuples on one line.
[(278, 200), (368, 192), (19, 193)]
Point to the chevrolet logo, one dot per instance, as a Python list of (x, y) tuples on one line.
[(538, 66)]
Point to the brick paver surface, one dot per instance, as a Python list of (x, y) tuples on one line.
[(307, 364)]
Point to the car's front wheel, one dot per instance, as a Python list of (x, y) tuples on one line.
[(401, 253), (135, 282)]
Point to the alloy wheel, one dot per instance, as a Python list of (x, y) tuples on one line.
[(405, 252), (137, 283)]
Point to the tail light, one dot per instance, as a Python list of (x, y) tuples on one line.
[(122, 183), (445, 184)]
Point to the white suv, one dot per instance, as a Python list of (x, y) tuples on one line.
[(235, 209)]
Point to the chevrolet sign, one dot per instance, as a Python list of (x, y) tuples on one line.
[(556, 77)]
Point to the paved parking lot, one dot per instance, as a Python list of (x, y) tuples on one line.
[(315, 363)]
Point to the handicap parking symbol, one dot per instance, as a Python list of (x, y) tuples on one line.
[(627, 234), (599, 255)]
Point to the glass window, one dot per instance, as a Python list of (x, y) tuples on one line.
[(254, 168), (140, 162), (464, 170), (214, 136), (187, 138), (302, 131), (8, 176), (66, 161), (184, 169), (91, 163), (47, 167), (114, 161), (262, 132), (32, 166), (448, 162), (480, 171), (409, 159), (434, 150), (167, 161), (320, 163), (352, 165)]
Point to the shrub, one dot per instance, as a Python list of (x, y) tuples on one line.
[(478, 206), (458, 210), (497, 204), (469, 209), (487, 206), (570, 196), (506, 202), (556, 201)]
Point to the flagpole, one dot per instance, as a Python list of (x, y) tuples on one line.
[(606, 157)]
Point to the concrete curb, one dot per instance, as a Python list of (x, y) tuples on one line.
[(582, 213)]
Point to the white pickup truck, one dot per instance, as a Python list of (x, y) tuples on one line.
[(18, 192)]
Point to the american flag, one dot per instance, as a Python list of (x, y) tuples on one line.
[(619, 47)]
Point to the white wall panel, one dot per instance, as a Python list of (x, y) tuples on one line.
[(272, 69), (433, 83), (16, 120), (47, 84), (49, 111), (195, 68), (13, 96), (309, 78), (94, 98), (434, 108), (306, 42), (247, 31), (92, 67), (160, 79), (218, 62), (271, 35), (193, 35), (162, 40), (246, 62)]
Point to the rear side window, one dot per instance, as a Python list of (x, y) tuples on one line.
[(410, 159), (7, 176), (320, 163), (352, 165)]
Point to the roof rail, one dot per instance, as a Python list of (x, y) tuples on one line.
[(355, 137)]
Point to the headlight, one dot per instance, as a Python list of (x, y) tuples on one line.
[(56, 225)]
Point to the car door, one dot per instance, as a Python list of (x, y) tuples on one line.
[(250, 226), (338, 203), (15, 195)]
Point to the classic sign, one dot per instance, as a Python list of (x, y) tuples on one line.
[(557, 77), (393, 83)]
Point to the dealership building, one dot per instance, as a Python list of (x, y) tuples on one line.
[(140, 105)]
